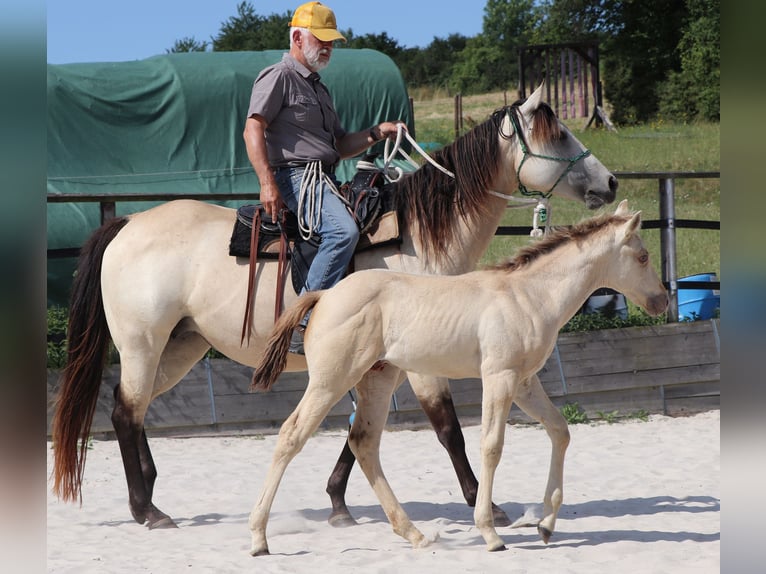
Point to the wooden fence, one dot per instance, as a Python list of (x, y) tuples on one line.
[(672, 369)]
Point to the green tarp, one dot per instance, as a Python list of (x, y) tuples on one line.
[(173, 124)]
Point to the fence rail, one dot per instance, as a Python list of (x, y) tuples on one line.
[(667, 222)]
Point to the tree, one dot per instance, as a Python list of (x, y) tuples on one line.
[(640, 56), (434, 64), (188, 44), (694, 92), (508, 24), (249, 31), (381, 42)]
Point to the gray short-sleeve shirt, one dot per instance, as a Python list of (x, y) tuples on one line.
[(302, 124)]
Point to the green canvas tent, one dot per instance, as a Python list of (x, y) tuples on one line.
[(173, 124)]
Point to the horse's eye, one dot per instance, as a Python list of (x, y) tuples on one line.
[(643, 257)]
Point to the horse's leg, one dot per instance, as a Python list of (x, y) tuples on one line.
[(374, 398), (338, 481), (532, 399), (295, 431), (496, 400), (436, 401), (336, 488), (179, 356)]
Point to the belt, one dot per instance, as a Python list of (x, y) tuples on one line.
[(328, 169)]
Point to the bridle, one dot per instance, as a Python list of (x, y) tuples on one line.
[(512, 113)]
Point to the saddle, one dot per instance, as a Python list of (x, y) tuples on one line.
[(369, 200)]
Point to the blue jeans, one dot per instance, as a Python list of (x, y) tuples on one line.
[(336, 229)]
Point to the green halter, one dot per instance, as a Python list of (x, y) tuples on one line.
[(571, 161)]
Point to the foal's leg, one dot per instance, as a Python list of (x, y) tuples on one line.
[(374, 394), (435, 399), (532, 399), (496, 400), (295, 431)]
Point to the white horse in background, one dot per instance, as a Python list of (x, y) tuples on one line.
[(499, 324)]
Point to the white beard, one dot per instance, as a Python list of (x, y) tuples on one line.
[(312, 55)]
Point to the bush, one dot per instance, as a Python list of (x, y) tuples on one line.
[(57, 343)]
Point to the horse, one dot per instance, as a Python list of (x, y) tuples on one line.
[(160, 286), (499, 323)]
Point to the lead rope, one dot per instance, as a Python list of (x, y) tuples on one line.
[(310, 198)]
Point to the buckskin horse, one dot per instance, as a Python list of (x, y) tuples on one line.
[(161, 287), (499, 324)]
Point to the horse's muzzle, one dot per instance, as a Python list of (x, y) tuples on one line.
[(598, 198)]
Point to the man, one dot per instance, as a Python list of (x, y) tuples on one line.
[(294, 141)]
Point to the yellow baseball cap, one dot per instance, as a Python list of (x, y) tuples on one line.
[(318, 19)]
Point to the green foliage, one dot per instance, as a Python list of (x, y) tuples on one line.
[(249, 31), (574, 414), (381, 42), (597, 321), (188, 44), (57, 327), (693, 93), (660, 58), (640, 414), (610, 417), (640, 55)]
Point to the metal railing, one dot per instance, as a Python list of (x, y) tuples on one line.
[(667, 222)]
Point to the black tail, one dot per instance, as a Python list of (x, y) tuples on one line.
[(88, 344)]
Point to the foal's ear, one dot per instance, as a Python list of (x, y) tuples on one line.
[(622, 208), (632, 227)]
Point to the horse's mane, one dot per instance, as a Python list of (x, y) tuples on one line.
[(554, 239), (437, 202)]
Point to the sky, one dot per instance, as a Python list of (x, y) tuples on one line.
[(111, 31)]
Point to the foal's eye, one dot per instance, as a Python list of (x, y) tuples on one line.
[(643, 257)]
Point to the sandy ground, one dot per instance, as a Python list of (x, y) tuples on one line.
[(638, 497)]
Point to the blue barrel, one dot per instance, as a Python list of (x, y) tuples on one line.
[(695, 304)]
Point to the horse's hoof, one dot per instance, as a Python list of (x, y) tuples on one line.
[(162, 523), (341, 521), (498, 548), (545, 534), (500, 517), (264, 552)]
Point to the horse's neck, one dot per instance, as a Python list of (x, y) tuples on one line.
[(470, 244)]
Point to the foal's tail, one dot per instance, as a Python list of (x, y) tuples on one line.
[(275, 357), (88, 343)]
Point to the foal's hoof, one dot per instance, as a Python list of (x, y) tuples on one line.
[(264, 552), (499, 516), (162, 523), (498, 548), (545, 534), (341, 520)]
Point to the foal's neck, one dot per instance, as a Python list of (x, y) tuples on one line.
[(564, 279)]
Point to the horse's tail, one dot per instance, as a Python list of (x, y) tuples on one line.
[(88, 344), (275, 357)]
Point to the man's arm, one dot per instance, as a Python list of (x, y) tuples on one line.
[(255, 142), (352, 144)]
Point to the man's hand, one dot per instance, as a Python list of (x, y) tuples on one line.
[(271, 200)]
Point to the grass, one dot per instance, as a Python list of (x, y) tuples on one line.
[(654, 147)]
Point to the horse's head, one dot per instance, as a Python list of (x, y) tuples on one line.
[(549, 159), (631, 271)]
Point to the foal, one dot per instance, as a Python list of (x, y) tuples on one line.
[(500, 324)]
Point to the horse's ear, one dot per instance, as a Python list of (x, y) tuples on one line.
[(622, 208), (532, 103)]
